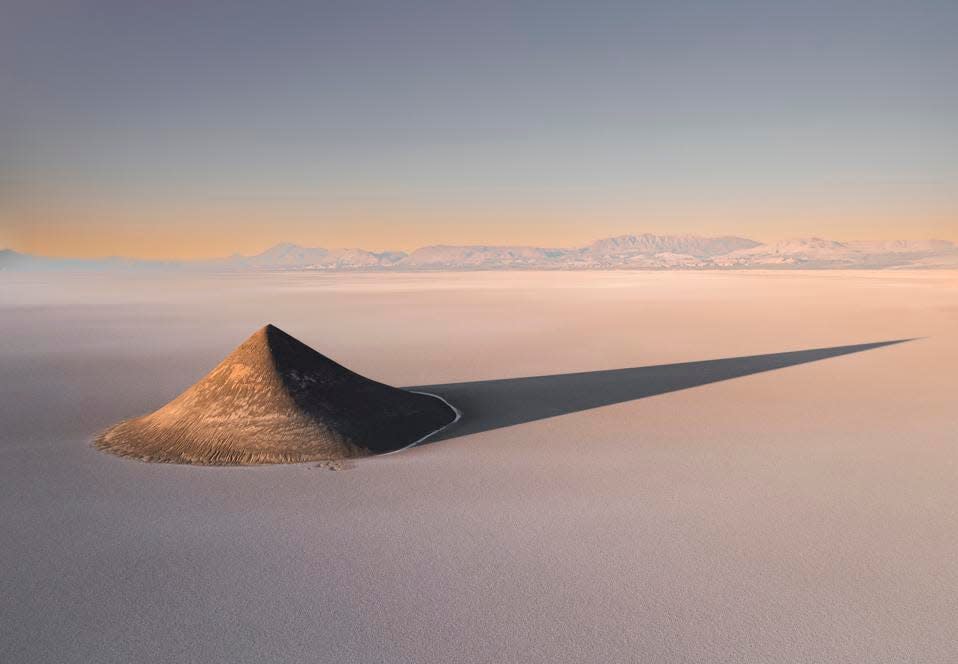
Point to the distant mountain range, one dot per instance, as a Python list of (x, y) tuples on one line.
[(644, 252)]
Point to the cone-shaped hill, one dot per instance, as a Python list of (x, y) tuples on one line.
[(276, 400)]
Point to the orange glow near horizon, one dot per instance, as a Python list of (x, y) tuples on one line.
[(207, 231)]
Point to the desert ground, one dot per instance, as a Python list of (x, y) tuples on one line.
[(797, 507)]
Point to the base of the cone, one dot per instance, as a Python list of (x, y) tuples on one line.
[(123, 447), (143, 440)]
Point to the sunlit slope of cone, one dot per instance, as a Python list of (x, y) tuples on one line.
[(276, 400)]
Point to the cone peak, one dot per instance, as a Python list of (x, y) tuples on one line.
[(270, 333), (265, 342), (283, 352), (265, 332)]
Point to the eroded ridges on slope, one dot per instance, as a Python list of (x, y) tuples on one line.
[(276, 400)]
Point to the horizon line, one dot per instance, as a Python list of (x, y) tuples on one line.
[(234, 254)]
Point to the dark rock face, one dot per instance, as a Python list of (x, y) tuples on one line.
[(276, 400)]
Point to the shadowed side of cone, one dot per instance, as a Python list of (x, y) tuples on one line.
[(276, 400)]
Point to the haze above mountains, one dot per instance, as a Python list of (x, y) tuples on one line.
[(645, 251)]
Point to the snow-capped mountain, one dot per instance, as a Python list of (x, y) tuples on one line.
[(287, 255), (652, 245), (445, 256), (821, 253), (644, 251)]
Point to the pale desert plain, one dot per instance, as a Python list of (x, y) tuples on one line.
[(792, 508)]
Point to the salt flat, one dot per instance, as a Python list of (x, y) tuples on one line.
[(802, 514)]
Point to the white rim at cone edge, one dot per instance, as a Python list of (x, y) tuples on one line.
[(431, 433)]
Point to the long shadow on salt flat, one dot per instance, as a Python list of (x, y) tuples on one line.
[(493, 404)]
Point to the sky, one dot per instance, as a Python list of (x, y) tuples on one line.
[(191, 129)]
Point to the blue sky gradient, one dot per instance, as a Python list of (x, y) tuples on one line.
[(339, 123)]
